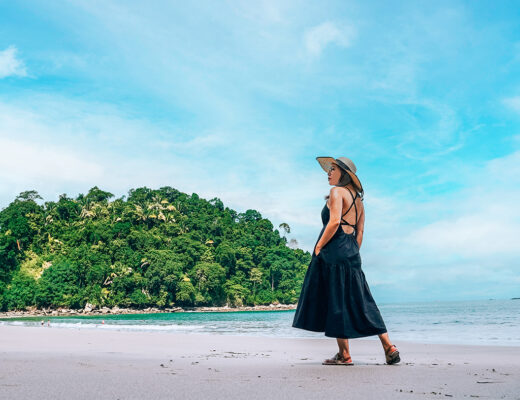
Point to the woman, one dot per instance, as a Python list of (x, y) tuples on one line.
[(335, 296)]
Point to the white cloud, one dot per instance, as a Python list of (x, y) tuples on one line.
[(33, 162), (486, 232), (56, 145), (513, 103), (484, 224), (467, 239), (10, 65), (320, 36), (433, 139)]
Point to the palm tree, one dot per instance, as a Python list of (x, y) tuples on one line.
[(87, 211), (255, 277), (200, 273), (285, 227), (139, 213)]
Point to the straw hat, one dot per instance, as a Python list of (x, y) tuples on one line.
[(346, 164)]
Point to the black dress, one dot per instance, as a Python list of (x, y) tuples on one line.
[(335, 296)]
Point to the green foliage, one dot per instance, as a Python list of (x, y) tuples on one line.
[(157, 248), (208, 279), (20, 292), (3, 303), (236, 293), (185, 294), (59, 286)]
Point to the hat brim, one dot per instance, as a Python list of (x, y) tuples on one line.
[(327, 162)]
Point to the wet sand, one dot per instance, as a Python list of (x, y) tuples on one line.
[(57, 363)]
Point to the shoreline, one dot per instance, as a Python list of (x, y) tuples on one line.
[(85, 364), (89, 311)]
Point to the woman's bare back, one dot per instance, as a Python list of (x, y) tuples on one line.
[(350, 216)]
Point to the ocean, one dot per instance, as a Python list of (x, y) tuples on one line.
[(490, 322)]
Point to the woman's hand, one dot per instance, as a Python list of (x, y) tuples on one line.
[(317, 250)]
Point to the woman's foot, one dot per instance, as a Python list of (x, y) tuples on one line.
[(392, 355), (338, 360)]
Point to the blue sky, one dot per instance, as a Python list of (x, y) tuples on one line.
[(236, 99)]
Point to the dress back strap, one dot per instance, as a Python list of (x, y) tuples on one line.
[(355, 208)]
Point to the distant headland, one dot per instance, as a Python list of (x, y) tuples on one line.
[(152, 250)]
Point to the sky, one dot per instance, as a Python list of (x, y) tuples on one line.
[(236, 99)]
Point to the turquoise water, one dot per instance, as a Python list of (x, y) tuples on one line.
[(491, 322)]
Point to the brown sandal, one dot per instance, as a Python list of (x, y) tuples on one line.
[(338, 360), (392, 357)]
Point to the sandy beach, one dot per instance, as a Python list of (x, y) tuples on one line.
[(56, 363)]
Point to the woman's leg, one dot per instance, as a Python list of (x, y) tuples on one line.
[(385, 341), (343, 348), (391, 352)]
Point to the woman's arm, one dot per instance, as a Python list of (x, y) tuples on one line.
[(360, 227), (335, 206)]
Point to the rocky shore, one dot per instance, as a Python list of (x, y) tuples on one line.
[(93, 310)]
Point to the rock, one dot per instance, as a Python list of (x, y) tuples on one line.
[(89, 307)]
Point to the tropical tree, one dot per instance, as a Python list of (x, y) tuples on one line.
[(285, 227)]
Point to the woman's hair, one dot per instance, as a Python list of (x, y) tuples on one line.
[(344, 180)]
